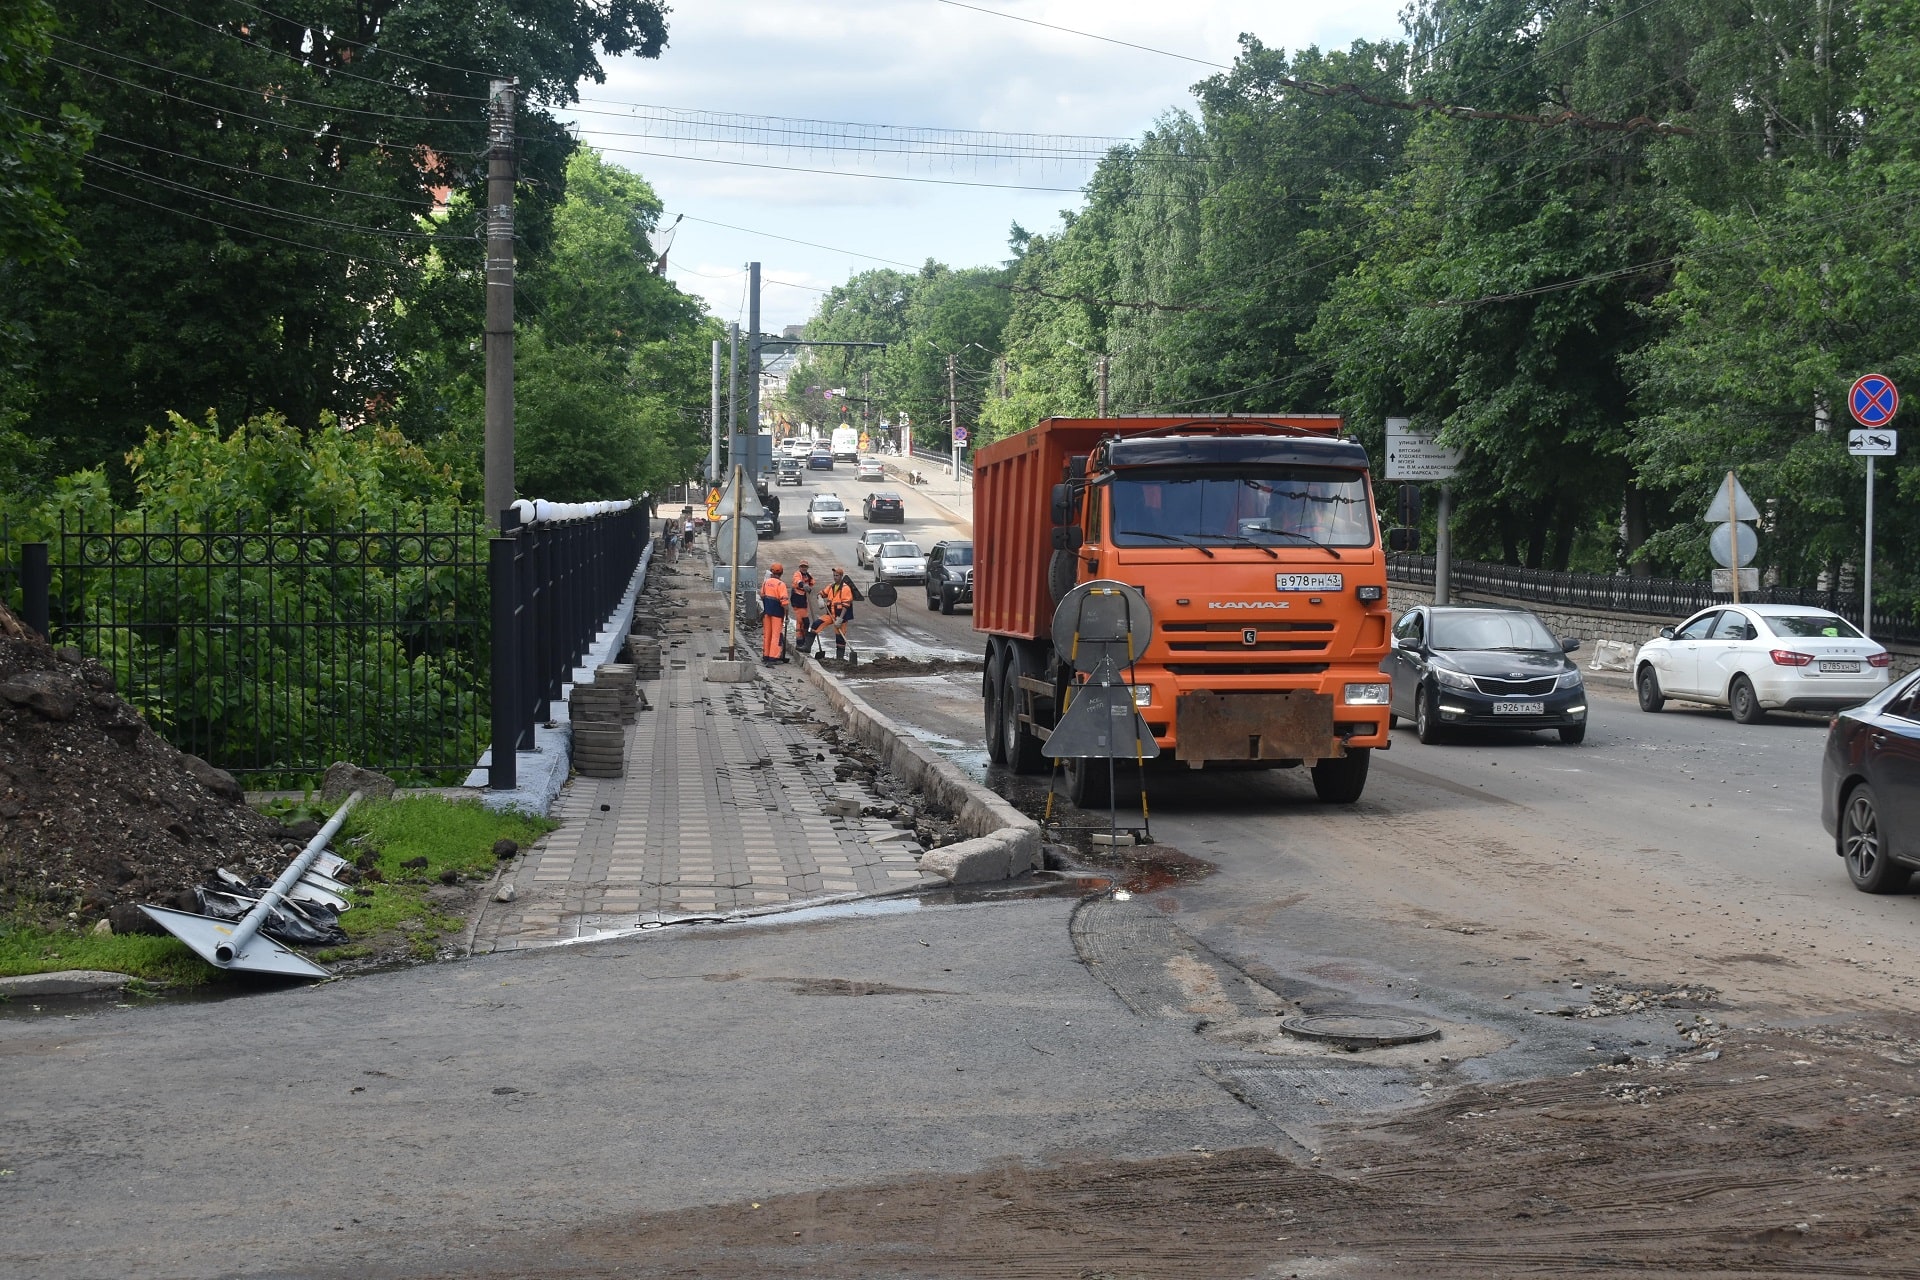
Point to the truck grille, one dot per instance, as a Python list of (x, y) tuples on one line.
[(1516, 688), (1270, 636)]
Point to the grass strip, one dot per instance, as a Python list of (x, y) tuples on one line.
[(393, 907)]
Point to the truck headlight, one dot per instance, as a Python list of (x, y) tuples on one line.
[(1453, 679), (1369, 695), (1142, 695)]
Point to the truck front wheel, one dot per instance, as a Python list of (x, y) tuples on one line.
[(993, 697), (1342, 780)]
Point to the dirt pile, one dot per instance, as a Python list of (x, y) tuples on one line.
[(97, 813)]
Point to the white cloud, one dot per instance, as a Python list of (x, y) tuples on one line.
[(919, 63)]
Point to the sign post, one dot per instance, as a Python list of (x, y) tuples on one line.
[(1873, 400), (1414, 454)]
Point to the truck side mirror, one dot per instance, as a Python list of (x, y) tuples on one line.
[(1062, 505), (1067, 538), (1403, 539)]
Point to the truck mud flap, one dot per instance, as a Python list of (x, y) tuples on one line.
[(1292, 724)]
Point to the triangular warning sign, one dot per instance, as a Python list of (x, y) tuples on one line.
[(1730, 503)]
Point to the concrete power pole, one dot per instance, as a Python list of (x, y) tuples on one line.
[(713, 422), (499, 324), (733, 396), (1103, 386), (751, 456), (953, 421)]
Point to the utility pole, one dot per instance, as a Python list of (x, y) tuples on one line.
[(953, 422), (1443, 549), (733, 395), (751, 456), (866, 403), (713, 421), (1001, 364), (498, 454), (1103, 386)]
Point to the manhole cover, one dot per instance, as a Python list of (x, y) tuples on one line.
[(1358, 1030)]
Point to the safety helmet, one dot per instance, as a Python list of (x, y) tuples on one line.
[(776, 568)]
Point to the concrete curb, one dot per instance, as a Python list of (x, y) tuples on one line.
[(65, 982), (1004, 842)]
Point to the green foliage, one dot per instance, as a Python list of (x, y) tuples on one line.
[(372, 641), (259, 230)]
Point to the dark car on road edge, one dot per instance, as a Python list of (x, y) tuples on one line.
[(1483, 666), (1870, 787), (950, 575), (884, 505)]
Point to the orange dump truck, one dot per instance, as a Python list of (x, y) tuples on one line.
[(1254, 540)]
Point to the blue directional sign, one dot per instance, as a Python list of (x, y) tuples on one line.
[(1873, 400)]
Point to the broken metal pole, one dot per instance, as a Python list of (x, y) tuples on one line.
[(232, 947)]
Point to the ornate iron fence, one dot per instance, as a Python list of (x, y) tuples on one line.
[(1618, 593), (273, 651)]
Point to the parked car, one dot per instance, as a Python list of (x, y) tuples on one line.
[(870, 540), (1756, 658), (949, 575), (899, 562), (1870, 787), (820, 460), (1483, 666), (826, 512), (869, 469), (787, 471), (883, 504)]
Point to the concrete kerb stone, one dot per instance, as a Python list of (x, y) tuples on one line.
[(1003, 841), (65, 982)]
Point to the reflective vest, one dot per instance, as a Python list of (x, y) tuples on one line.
[(773, 598), (838, 595)]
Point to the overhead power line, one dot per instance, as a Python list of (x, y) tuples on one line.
[(298, 244)]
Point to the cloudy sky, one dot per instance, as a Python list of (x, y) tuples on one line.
[(822, 65)]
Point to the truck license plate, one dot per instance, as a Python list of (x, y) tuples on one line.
[(1309, 581), (1853, 667), (1510, 708)]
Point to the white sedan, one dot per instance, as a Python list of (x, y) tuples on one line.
[(870, 469), (826, 512), (1756, 658)]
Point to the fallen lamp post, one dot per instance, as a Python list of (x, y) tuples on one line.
[(239, 945)]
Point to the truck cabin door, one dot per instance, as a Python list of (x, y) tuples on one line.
[(1092, 536)]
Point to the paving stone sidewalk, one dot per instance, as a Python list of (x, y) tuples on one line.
[(727, 808)]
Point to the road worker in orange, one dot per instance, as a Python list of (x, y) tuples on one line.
[(839, 601), (773, 610)]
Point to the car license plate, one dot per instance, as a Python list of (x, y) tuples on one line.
[(1308, 581), (1506, 707), (1842, 667)]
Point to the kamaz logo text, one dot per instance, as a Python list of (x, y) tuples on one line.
[(1248, 604)]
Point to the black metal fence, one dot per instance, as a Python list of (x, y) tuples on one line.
[(274, 650), (554, 583), (1618, 593)]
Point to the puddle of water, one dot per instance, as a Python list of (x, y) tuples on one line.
[(236, 987)]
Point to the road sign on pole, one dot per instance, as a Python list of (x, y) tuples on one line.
[(960, 436), (1418, 455), (1873, 400)]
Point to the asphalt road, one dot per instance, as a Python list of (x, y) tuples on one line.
[(908, 629)]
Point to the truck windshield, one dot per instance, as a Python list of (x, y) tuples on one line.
[(1278, 505)]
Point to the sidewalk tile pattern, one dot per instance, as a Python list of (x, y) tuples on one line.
[(720, 812)]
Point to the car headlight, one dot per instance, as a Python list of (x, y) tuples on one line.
[(1568, 680), (1369, 695), (1453, 679)]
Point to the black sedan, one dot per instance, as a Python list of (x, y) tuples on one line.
[(885, 505), (1482, 666), (1870, 787)]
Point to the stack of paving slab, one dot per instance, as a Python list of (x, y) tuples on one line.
[(600, 713)]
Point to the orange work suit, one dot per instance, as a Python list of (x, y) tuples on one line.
[(773, 622)]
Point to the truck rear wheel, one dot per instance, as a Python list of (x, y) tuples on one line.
[(1342, 780), (993, 698), (1019, 750)]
